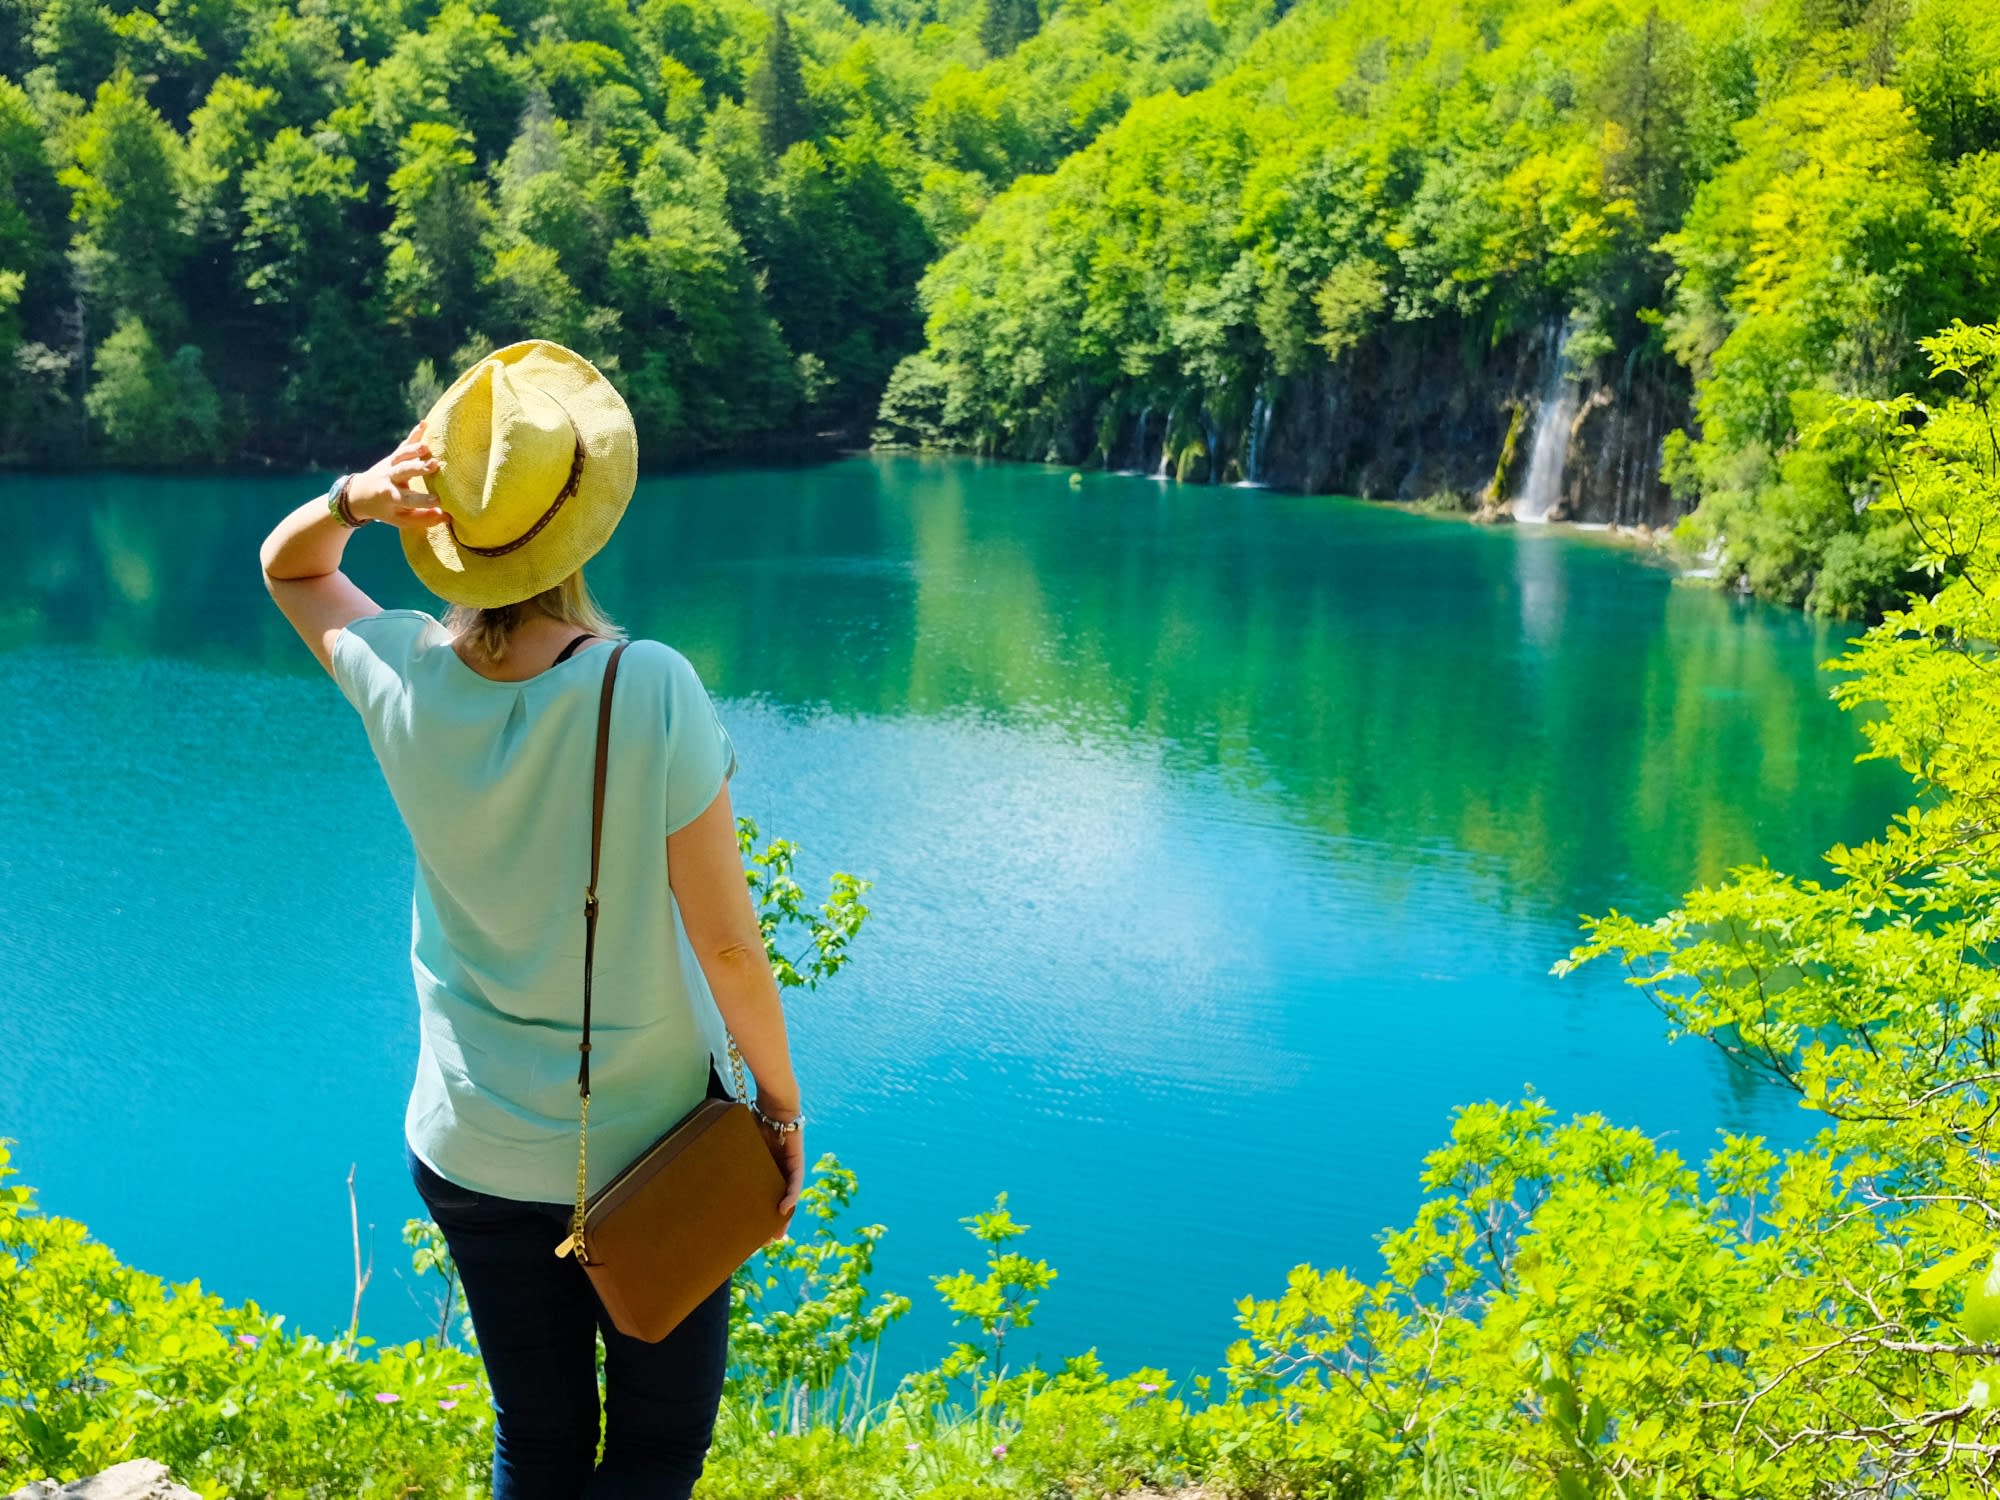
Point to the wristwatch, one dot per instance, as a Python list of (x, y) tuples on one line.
[(336, 503)]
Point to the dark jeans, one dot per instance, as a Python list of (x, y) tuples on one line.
[(538, 1321)]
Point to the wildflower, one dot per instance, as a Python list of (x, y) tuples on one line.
[(446, 1405), (387, 1398), (462, 1385), (248, 1340), (999, 1450), (1148, 1387), (911, 1447)]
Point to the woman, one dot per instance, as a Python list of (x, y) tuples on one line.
[(485, 728)]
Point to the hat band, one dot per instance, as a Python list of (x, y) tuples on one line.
[(568, 489)]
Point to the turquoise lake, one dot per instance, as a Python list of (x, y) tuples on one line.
[(1221, 841)]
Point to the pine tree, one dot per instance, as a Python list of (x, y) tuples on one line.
[(778, 89), (1008, 23)]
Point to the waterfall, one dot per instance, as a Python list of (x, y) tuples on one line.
[(1253, 447), (1166, 433), (1541, 491), (1139, 441)]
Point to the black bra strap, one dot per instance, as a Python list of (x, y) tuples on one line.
[(586, 636)]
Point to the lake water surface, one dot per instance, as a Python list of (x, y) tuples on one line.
[(1221, 842)]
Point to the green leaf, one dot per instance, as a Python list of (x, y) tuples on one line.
[(1947, 1270)]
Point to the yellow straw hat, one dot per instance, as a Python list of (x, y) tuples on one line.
[(539, 459)]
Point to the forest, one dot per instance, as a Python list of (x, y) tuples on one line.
[(236, 229), (1088, 231)]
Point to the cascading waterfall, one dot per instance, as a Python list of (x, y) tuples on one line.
[(1253, 447), (1541, 491), (1139, 440)]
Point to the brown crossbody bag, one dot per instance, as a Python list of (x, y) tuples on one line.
[(663, 1234)]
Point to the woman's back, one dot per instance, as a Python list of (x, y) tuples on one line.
[(493, 779), (499, 496)]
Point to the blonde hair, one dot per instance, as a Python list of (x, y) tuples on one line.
[(568, 601)]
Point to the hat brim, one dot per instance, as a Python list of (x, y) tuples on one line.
[(583, 523)]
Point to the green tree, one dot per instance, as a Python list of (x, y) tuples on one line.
[(1006, 24), (30, 200), (226, 136), (298, 226), (299, 57), (79, 39), (37, 411), (458, 72), (1802, 261), (125, 182), (150, 409), (1950, 73), (10, 328), (844, 252), (778, 89), (1212, 203), (334, 392), (438, 257)]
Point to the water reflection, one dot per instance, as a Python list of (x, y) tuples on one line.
[(1414, 684)]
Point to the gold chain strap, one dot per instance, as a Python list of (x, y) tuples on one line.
[(576, 1238), (736, 1067), (579, 1215)]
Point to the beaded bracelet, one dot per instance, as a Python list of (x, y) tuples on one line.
[(782, 1127)]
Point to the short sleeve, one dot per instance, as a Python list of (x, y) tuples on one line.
[(371, 658), (700, 754)]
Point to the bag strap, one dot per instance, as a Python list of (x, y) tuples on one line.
[(596, 849), (576, 1227), (576, 1240)]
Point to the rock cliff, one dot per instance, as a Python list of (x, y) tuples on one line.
[(1423, 411)]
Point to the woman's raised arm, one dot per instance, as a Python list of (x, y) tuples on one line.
[(301, 556)]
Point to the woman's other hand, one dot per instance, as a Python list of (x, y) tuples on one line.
[(383, 493), (705, 871), (788, 1150)]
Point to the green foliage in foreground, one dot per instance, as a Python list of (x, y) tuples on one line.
[(99, 1362), (1575, 1311)]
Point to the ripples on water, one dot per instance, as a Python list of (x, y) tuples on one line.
[(1221, 842)]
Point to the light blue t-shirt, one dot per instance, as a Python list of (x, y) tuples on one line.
[(493, 780)]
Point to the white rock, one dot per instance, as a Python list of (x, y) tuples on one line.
[(141, 1479)]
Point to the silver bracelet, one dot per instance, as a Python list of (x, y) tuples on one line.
[(782, 1127)]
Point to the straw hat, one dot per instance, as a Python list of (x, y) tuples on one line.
[(539, 459)]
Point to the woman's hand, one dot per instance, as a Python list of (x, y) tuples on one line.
[(788, 1150), (383, 493)]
